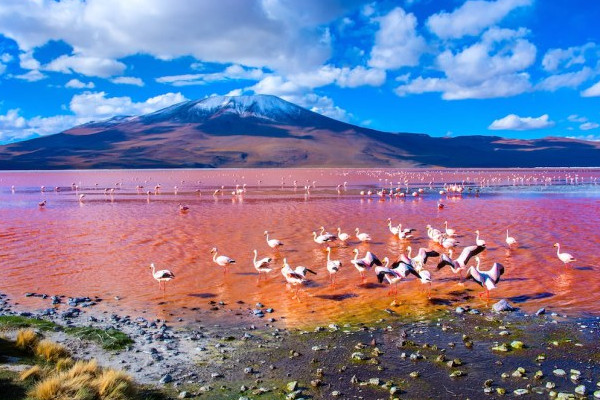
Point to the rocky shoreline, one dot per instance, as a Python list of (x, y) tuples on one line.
[(460, 352)]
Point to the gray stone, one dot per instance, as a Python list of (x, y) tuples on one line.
[(559, 372), (521, 392), (541, 311), (460, 310), (502, 305), (581, 390), (166, 379)]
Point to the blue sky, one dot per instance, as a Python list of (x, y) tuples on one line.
[(513, 68)]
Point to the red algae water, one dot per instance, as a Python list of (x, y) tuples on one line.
[(103, 245)]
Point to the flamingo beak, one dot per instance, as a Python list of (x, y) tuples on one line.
[(311, 271)]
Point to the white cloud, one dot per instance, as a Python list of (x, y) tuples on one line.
[(128, 80), (77, 84), (85, 107), (280, 35), (576, 118), (472, 18), (565, 58), (397, 43), (31, 76), (492, 67), (6, 58), (232, 72), (95, 105), (588, 125), (90, 66), (26, 61), (592, 91), (15, 127), (343, 77), (566, 80), (513, 122), (2, 68)]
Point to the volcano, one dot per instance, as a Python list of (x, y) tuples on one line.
[(266, 131)]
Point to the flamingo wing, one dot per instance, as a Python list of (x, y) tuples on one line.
[(468, 252), (496, 272), (445, 260), (372, 259)]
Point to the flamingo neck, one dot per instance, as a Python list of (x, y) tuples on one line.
[(267, 235), (557, 249), (215, 256), (387, 262), (355, 255), (322, 230), (409, 250), (477, 238), (255, 254)]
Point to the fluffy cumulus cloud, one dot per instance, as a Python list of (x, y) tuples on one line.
[(493, 67), (586, 126), (592, 91), (513, 122), (566, 80), (279, 34), (31, 76), (397, 43), (472, 18), (85, 107), (555, 59), (96, 105), (77, 84)]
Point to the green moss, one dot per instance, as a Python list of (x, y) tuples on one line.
[(18, 322), (109, 339)]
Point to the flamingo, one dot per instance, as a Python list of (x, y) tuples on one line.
[(295, 277), (183, 208), (449, 232), (320, 239), (393, 229), (419, 261), (330, 236), (162, 276), (405, 233), (42, 204), (223, 261), (510, 240), (363, 237), (333, 266), (479, 242), (342, 236), (261, 265), (458, 265), (81, 197), (365, 263), (564, 257), (273, 243), (390, 275), (486, 279)]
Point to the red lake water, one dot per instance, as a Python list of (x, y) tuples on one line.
[(103, 245)]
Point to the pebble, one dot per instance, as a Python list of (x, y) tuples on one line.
[(501, 347), (520, 392), (183, 395), (597, 394), (517, 344), (559, 372), (502, 305), (166, 379), (459, 310), (359, 356), (292, 386), (581, 390), (336, 393), (541, 311)]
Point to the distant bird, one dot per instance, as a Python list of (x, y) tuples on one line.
[(223, 261), (486, 279), (363, 237), (273, 243), (81, 197), (405, 233), (342, 236), (479, 242), (183, 208), (458, 265), (564, 257), (333, 266), (365, 263), (162, 276), (42, 204), (440, 205), (510, 240), (262, 265)]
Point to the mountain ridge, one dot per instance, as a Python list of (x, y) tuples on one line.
[(266, 131)]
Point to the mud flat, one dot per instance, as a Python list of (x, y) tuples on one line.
[(455, 352)]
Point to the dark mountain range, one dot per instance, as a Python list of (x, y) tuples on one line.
[(266, 131)]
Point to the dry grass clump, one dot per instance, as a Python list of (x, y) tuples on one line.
[(27, 340), (84, 380), (36, 373), (50, 351)]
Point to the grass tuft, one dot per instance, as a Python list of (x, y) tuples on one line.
[(27, 340), (34, 373), (16, 322), (50, 351)]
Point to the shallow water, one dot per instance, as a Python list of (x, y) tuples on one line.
[(103, 245)]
